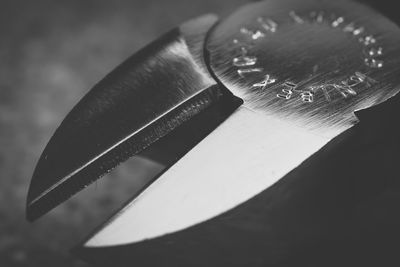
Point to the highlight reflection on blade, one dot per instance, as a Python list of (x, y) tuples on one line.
[(124, 113), (242, 157), (302, 73)]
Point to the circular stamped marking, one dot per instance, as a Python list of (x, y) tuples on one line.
[(315, 61), (246, 63)]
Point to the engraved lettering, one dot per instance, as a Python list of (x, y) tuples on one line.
[(317, 16), (367, 40), (349, 27), (340, 88), (374, 52), (295, 17), (244, 61), (324, 90), (253, 34), (287, 92), (242, 72), (358, 31), (268, 24), (345, 87), (363, 78), (354, 80), (344, 90), (373, 63), (264, 83), (337, 22), (307, 96)]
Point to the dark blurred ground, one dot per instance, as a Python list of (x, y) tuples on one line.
[(51, 53)]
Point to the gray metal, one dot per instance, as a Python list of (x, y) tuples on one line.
[(313, 63), (304, 66), (302, 70), (142, 100)]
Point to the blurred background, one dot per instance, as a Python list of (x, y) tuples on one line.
[(51, 54)]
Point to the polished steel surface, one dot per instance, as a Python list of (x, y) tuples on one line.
[(302, 70), (312, 63), (241, 158), (142, 100)]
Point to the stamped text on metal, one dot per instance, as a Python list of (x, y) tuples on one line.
[(246, 63)]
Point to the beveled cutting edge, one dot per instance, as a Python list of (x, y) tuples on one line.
[(142, 100), (302, 69)]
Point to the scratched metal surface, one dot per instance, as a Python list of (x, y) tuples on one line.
[(339, 57), (137, 104), (51, 53), (312, 63), (338, 208)]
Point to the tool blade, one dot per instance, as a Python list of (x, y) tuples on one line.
[(302, 70), (339, 206), (245, 155), (124, 113)]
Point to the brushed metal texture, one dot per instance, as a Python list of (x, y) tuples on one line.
[(305, 68), (310, 62), (142, 100)]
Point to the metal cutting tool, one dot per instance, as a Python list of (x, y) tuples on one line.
[(276, 83)]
